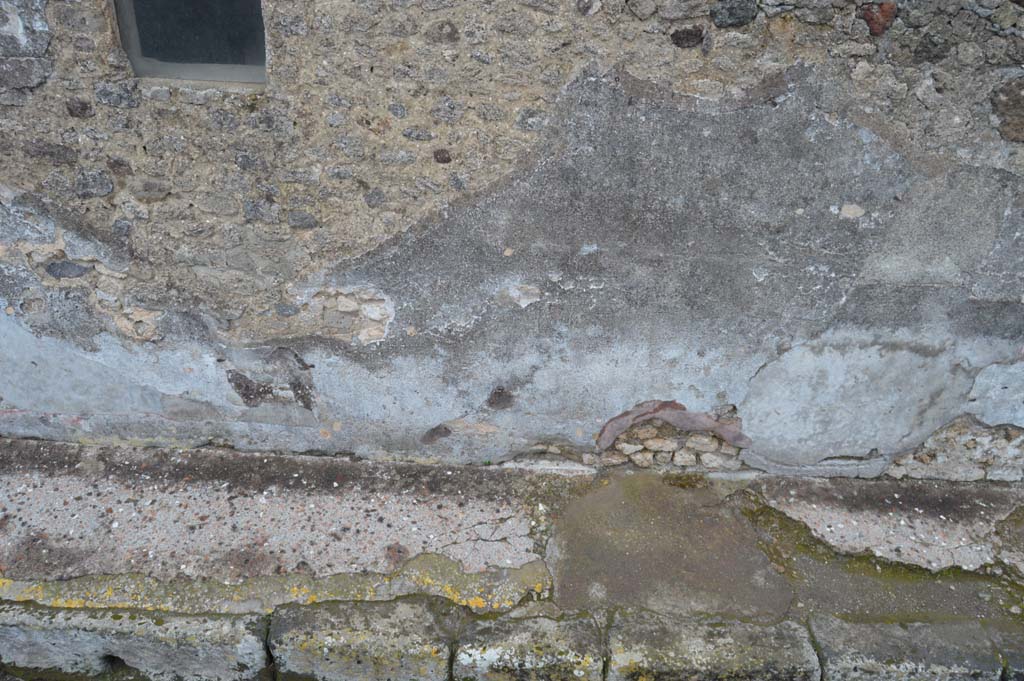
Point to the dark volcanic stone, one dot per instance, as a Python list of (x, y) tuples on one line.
[(692, 36), (300, 219), (80, 108), (727, 13), (1008, 104), (65, 269)]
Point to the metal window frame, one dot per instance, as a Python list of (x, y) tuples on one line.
[(147, 67)]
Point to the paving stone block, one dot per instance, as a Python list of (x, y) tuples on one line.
[(644, 646), (915, 651), (1007, 638), (530, 649), (89, 642), (400, 640)]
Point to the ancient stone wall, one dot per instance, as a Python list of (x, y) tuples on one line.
[(456, 231)]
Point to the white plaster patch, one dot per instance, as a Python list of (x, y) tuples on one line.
[(851, 211), (524, 295), (360, 312)]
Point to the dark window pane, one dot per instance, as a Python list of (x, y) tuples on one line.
[(201, 31)]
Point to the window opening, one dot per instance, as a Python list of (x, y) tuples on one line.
[(194, 39)]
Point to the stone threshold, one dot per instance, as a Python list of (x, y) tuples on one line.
[(120, 562)]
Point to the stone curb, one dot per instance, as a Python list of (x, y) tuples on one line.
[(424, 638), (90, 643)]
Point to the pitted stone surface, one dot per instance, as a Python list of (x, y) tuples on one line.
[(163, 647), (232, 516)]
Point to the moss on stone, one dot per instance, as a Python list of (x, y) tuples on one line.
[(685, 480), (785, 539), (431, 574)]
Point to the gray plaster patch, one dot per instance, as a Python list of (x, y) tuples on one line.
[(916, 248), (997, 395), (711, 278), (879, 397)]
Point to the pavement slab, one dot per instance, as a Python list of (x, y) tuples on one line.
[(646, 645), (932, 524), (915, 651), (230, 515), (635, 541)]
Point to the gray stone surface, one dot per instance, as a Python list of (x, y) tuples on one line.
[(24, 31), (162, 646), (1007, 637), (23, 72), (914, 651), (642, 645), (399, 640), (510, 649), (729, 13)]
